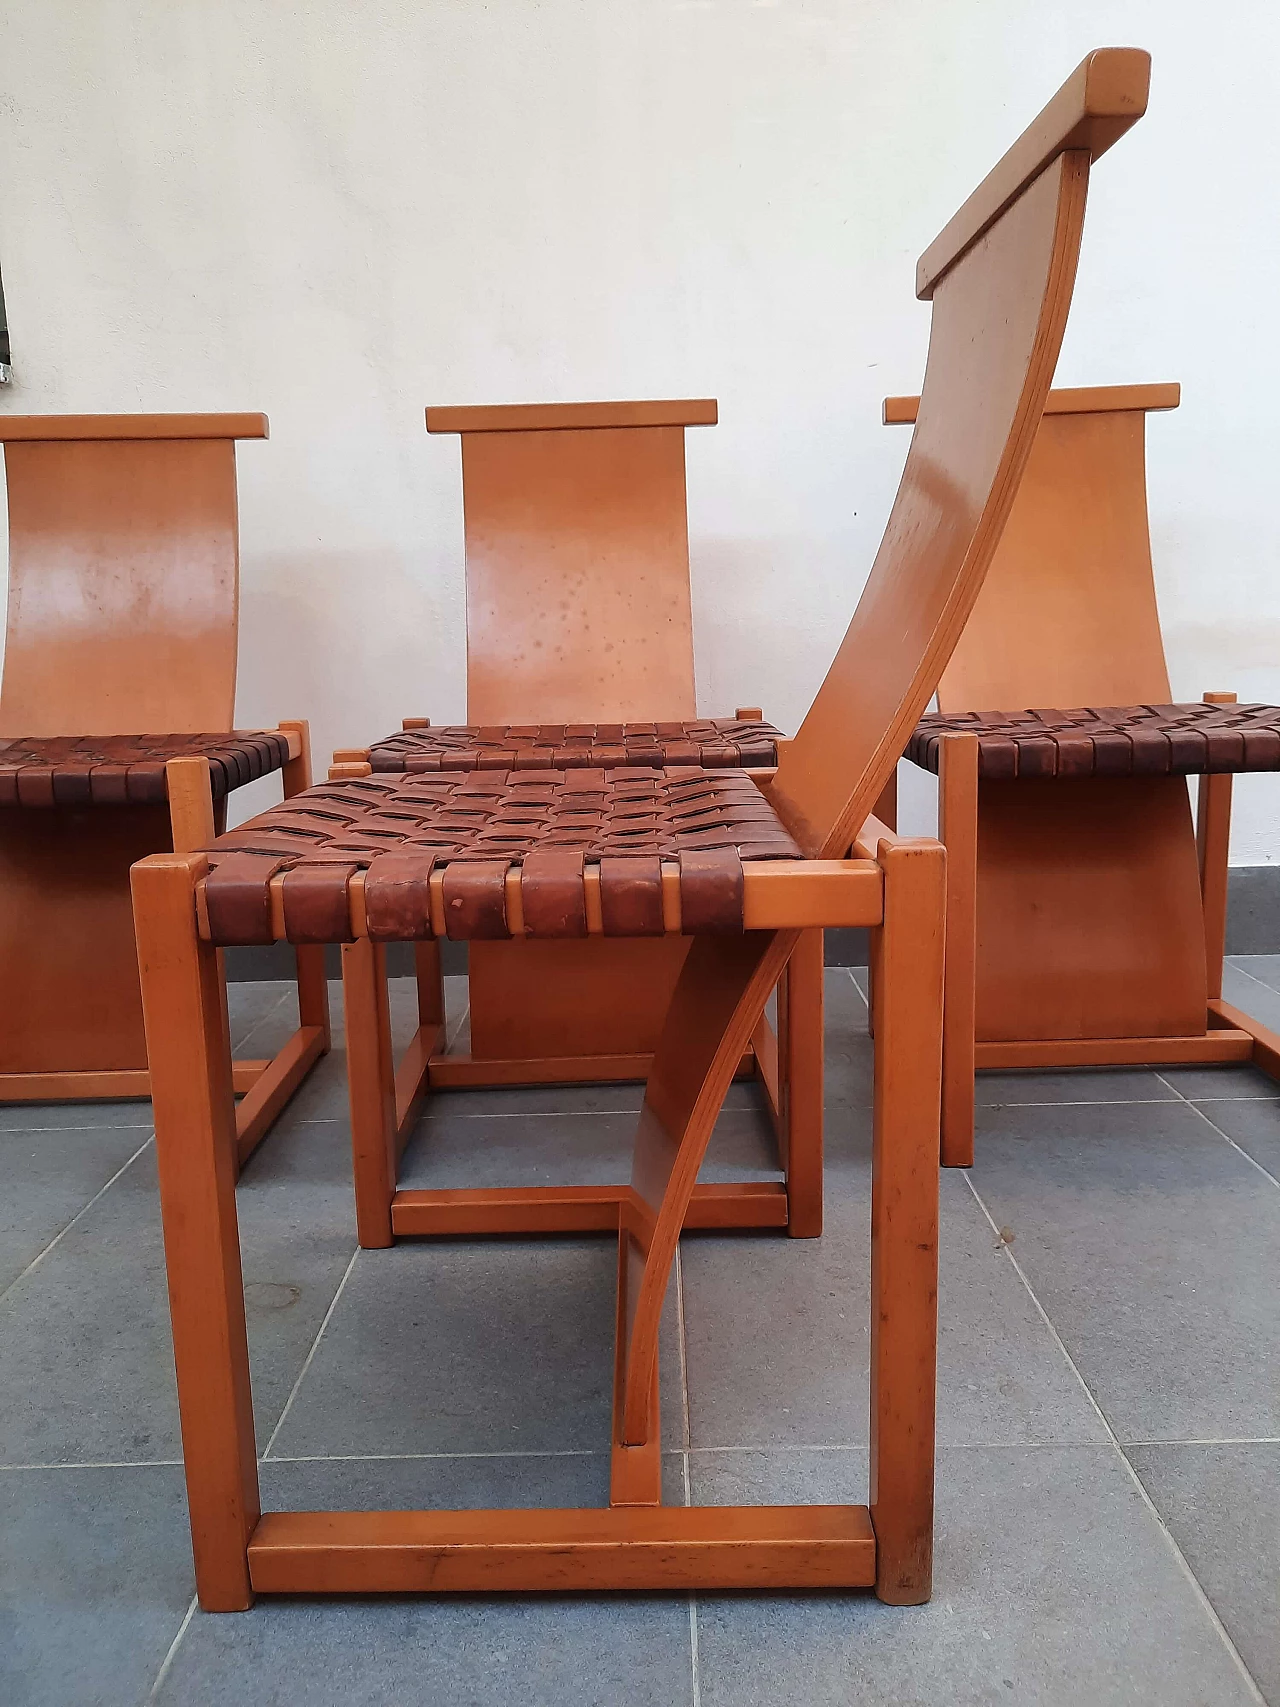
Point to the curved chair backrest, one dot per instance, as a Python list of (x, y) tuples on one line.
[(1000, 277), (123, 573), (1067, 615), (577, 536)]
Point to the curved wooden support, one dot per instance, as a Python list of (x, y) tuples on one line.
[(720, 996)]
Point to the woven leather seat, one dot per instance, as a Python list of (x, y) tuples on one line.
[(1114, 740), (708, 742), (114, 770), (624, 823)]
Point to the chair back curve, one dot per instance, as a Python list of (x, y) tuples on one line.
[(123, 573), (1000, 277)]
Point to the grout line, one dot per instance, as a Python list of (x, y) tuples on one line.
[(457, 1030), (1226, 1137), (1226, 1440), (293, 1391), (258, 1024), (1253, 977), (58, 1237), (119, 1464), (1181, 1558), (114, 1126), (176, 1643), (414, 1457)]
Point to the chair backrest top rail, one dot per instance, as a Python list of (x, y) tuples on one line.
[(20, 429), (1071, 400), (560, 417), (1104, 96)]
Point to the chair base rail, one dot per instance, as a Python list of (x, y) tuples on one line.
[(625, 1547), (575, 1209)]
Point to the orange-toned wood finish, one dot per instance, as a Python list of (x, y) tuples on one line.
[(122, 618), (999, 313), (1087, 918)]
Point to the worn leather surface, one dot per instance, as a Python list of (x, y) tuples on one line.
[(709, 742), (478, 825), (1112, 740), (116, 770)]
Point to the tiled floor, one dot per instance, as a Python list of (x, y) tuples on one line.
[(1109, 1402)]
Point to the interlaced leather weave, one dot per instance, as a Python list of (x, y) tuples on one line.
[(708, 742), (1123, 740), (480, 824), (114, 770)]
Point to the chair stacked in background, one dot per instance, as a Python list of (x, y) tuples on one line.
[(116, 705), (1086, 913), (580, 655), (398, 862)]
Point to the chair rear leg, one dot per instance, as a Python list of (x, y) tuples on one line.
[(371, 1088), (907, 952)]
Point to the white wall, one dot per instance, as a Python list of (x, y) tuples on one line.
[(337, 212)]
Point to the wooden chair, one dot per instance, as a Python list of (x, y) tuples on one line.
[(123, 564), (743, 871), (580, 653), (1086, 915)]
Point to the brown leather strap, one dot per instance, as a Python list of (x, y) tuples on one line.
[(552, 893), (397, 897), (711, 893), (238, 898), (316, 908), (475, 899), (631, 896)]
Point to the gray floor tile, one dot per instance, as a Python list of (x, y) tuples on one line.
[(95, 1577), (1151, 1243), (464, 1346), (535, 1649), (1251, 984), (450, 1152), (1079, 1085), (490, 1481), (778, 1337), (1227, 1083), (1222, 1504), (48, 1179), (1264, 967), (74, 1116), (1052, 1583), (1254, 1125), (86, 1363)]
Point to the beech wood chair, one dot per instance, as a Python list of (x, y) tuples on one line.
[(1086, 915), (123, 565), (580, 628), (741, 869)]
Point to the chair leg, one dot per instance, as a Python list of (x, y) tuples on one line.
[(371, 1087), (720, 996), (184, 1009), (313, 985), (801, 1048), (1213, 837), (907, 951), (958, 831)]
